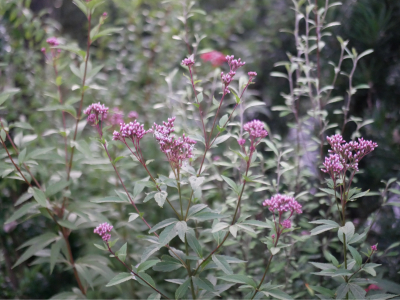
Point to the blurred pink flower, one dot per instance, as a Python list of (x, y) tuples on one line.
[(215, 57)]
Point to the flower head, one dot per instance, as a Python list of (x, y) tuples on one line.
[(43, 50), (215, 57), (287, 224), (241, 142), (252, 74), (178, 149), (333, 164), (255, 129), (103, 230), (132, 130), (374, 248), (53, 41), (105, 14), (133, 115), (98, 110), (188, 62), (117, 117), (234, 65), (348, 154), (282, 203)]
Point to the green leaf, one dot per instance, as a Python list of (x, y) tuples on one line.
[(21, 157), (239, 279), (323, 291), (22, 211), (40, 197), (105, 32), (342, 290), (154, 296), (121, 277), (8, 93), (113, 199), (39, 245), (196, 208), (132, 217), (355, 254), (357, 291), (194, 244), (167, 235), (38, 152), (207, 215), (181, 228), (278, 294), (223, 120), (67, 224), (256, 223), (56, 187), (222, 264), (203, 284), (145, 277), (163, 224), (58, 80), (221, 139), (167, 266), (359, 195), (348, 229), (54, 252), (148, 251), (230, 182), (397, 204), (147, 265), (322, 228), (82, 6), (219, 226), (160, 198), (278, 74), (181, 291), (101, 247), (121, 253)]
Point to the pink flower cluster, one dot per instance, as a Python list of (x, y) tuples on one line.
[(188, 62), (255, 129), (282, 203), (133, 115), (103, 230), (96, 110), (374, 248), (287, 224), (215, 57), (348, 155), (177, 150), (117, 117), (333, 164), (234, 65), (132, 130), (53, 41)]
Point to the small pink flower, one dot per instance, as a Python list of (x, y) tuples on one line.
[(241, 142), (215, 57), (105, 14), (188, 62), (53, 41), (282, 203), (43, 50), (255, 129), (273, 236), (99, 110), (287, 224), (252, 74), (133, 115), (103, 230), (374, 248), (372, 287)]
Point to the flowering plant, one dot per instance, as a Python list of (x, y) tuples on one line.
[(208, 203)]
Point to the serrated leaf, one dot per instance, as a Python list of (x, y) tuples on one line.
[(121, 253), (181, 227), (40, 197), (239, 279), (22, 211), (160, 198), (167, 266), (147, 265), (120, 278), (203, 284), (133, 216), (56, 187), (54, 252), (355, 254), (194, 244), (148, 251), (163, 224), (181, 291), (222, 264), (167, 234)]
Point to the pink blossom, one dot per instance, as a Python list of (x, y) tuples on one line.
[(252, 74), (255, 129), (372, 287), (188, 62), (215, 57), (374, 248), (53, 41), (234, 65), (103, 230), (346, 154), (132, 130), (133, 115), (241, 142), (105, 14), (99, 110), (282, 203), (178, 149), (117, 117), (287, 223), (43, 50)]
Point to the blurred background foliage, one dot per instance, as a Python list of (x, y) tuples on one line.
[(138, 62)]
